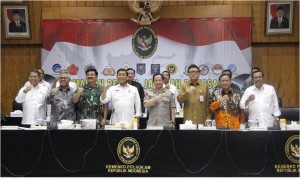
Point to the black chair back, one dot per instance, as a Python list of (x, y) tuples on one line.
[(17, 106)]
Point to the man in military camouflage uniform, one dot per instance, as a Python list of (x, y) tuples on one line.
[(160, 103), (88, 99)]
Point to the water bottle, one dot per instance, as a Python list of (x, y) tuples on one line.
[(134, 124), (256, 123), (48, 117), (213, 123)]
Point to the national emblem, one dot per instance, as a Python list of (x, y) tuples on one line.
[(145, 9)]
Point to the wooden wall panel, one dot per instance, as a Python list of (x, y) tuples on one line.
[(36, 20), (16, 61), (280, 64), (277, 56), (172, 9)]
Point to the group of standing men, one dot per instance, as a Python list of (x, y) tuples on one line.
[(225, 104)]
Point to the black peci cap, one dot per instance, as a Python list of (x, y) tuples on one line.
[(16, 11), (279, 8)]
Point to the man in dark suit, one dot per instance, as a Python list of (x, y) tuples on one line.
[(130, 80), (17, 25), (279, 21)]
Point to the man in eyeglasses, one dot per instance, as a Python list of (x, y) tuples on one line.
[(60, 99), (195, 96)]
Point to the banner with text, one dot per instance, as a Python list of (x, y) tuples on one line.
[(168, 44)]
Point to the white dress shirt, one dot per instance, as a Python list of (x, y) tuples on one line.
[(174, 91), (72, 85), (34, 103), (124, 100), (263, 106)]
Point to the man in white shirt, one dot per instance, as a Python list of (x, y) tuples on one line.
[(41, 80), (125, 99), (261, 99), (171, 87), (33, 99)]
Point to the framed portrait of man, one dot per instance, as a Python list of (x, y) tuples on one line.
[(16, 21), (279, 17)]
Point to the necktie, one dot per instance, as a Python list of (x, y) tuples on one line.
[(280, 21)]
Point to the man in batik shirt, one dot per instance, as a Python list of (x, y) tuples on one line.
[(88, 99), (225, 104), (60, 99)]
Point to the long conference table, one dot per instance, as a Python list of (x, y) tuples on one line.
[(149, 153)]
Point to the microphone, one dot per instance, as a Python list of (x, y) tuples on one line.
[(111, 115)]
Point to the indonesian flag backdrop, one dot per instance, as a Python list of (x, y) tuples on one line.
[(107, 45)]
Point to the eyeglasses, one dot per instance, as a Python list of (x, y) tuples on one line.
[(193, 72)]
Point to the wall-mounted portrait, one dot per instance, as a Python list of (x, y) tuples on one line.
[(16, 21), (279, 17)]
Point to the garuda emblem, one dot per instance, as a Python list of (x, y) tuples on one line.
[(128, 151), (144, 42), (145, 9)]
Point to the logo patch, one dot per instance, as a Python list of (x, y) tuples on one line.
[(56, 68), (232, 68), (109, 71), (186, 70), (292, 148), (141, 68), (203, 69), (217, 69), (89, 66), (144, 42), (155, 68), (73, 69), (128, 150), (172, 69), (125, 66)]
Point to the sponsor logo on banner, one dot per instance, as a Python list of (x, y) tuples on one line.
[(232, 68), (56, 68), (186, 70), (155, 68), (126, 66), (144, 42), (141, 68), (292, 152), (217, 69), (73, 69), (203, 69), (172, 69), (128, 150), (89, 66), (109, 71)]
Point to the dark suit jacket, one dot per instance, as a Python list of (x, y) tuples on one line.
[(13, 27), (275, 25), (141, 93)]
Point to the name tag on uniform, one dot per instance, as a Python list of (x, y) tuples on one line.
[(201, 98)]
